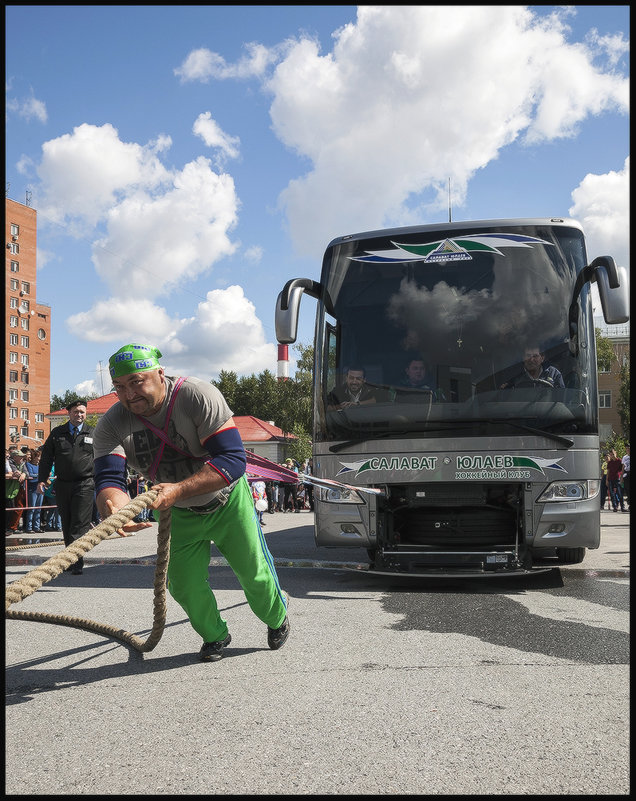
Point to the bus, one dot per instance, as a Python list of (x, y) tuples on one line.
[(485, 464)]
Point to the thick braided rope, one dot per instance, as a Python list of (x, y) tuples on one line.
[(27, 585), (34, 545)]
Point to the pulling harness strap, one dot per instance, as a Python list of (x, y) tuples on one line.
[(163, 434), (221, 498)]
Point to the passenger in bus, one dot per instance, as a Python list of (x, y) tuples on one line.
[(353, 392), (535, 372), (415, 378)]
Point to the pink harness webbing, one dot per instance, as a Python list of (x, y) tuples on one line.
[(163, 434)]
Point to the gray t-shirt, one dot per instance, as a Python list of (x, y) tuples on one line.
[(199, 410)]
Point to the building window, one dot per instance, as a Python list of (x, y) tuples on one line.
[(41, 333), (15, 229), (13, 303), (39, 417), (13, 357), (13, 322), (24, 358), (15, 267), (24, 305), (24, 414), (13, 413), (14, 284), (24, 322), (13, 375), (13, 339), (13, 394), (14, 248), (13, 431), (605, 399), (25, 378), (26, 287), (24, 431), (24, 341), (24, 395), (39, 433)]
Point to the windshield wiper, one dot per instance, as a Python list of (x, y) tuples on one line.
[(458, 424), (521, 426), (340, 446), (549, 434)]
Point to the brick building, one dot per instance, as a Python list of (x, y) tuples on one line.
[(609, 380), (27, 331)]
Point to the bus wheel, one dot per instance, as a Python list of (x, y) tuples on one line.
[(570, 556), (371, 552)]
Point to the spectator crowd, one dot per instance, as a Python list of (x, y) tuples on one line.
[(30, 512)]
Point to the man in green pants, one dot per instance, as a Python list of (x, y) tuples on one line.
[(179, 433)]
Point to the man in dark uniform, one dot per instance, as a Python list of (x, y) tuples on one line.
[(69, 448)]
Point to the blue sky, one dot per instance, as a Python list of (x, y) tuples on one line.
[(186, 161)]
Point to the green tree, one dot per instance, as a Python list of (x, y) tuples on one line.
[(305, 364), (62, 401), (300, 448), (622, 403), (267, 395), (288, 403), (296, 394), (227, 384), (616, 443), (246, 396), (605, 358), (605, 355)]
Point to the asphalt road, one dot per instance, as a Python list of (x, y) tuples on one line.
[(498, 686)]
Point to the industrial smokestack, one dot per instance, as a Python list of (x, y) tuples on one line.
[(283, 363)]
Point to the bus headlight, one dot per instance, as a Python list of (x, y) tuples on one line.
[(570, 491), (340, 495)]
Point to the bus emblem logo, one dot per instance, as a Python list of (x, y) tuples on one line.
[(451, 249)]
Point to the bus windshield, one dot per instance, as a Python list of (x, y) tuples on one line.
[(454, 331)]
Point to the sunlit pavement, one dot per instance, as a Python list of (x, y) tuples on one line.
[(518, 688), (613, 552)]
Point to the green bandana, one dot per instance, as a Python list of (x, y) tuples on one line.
[(133, 359)]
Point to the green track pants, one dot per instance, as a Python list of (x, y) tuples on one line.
[(235, 530)]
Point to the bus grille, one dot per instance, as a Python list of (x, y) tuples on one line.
[(462, 527)]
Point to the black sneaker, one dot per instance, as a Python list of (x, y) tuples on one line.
[(213, 651), (276, 638)]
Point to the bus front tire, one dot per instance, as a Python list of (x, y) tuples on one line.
[(570, 556)]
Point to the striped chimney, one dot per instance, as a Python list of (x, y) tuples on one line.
[(283, 362)]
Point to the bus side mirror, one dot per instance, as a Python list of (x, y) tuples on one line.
[(613, 290), (288, 306), (614, 298)]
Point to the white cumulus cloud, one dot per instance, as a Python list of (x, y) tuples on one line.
[(83, 174), (203, 64), (601, 204), (155, 242), (412, 96), (225, 334), (29, 108), (153, 229), (213, 135)]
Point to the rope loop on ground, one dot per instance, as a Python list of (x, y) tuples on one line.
[(32, 581)]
